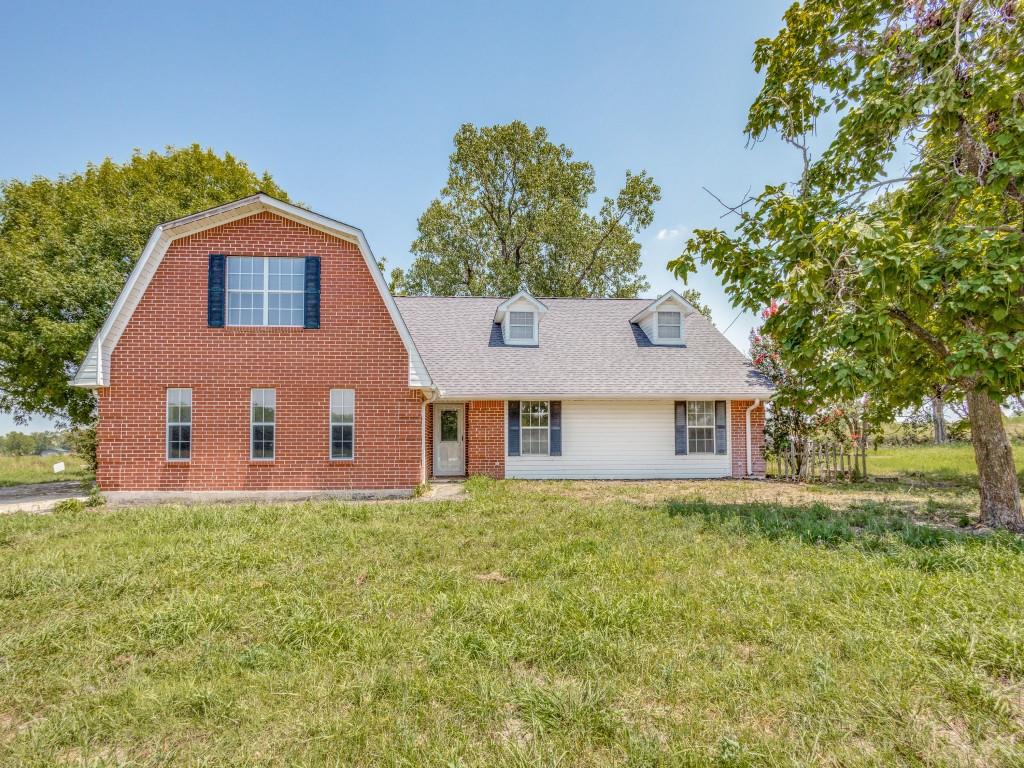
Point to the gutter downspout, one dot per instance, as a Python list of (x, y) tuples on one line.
[(434, 394), (750, 458)]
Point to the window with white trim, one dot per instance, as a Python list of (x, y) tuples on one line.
[(670, 325), (534, 424), (266, 291), (700, 427), (521, 326), (179, 424), (343, 423), (263, 413)]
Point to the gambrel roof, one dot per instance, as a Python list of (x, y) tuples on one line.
[(95, 368)]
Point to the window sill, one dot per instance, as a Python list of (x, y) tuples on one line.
[(177, 462), (243, 329)]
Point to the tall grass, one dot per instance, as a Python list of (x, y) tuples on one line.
[(952, 463), (535, 624), (16, 470)]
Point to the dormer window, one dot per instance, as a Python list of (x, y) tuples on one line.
[(670, 325), (519, 318), (664, 320), (520, 326)]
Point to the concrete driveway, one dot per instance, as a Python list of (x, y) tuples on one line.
[(38, 497)]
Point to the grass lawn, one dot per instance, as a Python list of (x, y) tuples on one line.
[(704, 623), (15, 470), (953, 463)]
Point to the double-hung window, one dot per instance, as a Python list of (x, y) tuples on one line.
[(343, 428), (670, 326), (700, 427), (179, 424), (265, 291), (263, 410), (534, 425), (521, 326)]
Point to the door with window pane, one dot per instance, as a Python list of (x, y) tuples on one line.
[(449, 440)]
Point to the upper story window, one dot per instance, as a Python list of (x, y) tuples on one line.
[(265, 291), (521, 326), (670, 325)]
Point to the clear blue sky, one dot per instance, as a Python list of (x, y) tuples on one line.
[(352, 107)]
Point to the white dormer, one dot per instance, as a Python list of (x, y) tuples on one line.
[(664, 319), (520, 319)]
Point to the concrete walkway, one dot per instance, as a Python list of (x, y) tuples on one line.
[(38, 497), (445, 490)]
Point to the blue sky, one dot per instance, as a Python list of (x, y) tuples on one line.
[(352, 107)]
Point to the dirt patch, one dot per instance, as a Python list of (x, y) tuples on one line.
[(494, 577)]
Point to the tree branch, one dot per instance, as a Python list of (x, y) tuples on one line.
[(931, 340)]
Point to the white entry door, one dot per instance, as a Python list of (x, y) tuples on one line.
[(449, 440)]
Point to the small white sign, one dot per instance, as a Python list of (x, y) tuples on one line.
[(58, 467)]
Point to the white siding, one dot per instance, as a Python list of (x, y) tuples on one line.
[(620, 439)]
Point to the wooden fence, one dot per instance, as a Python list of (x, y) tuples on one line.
[(822, 462)]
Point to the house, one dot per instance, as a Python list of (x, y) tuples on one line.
[(255, 348)]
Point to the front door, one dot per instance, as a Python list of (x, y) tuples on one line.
[(449, 440)]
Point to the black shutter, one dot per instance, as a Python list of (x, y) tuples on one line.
[(720, 441), (680, 427), (555, 428), (311, 306), (513, 427), (215, 291)]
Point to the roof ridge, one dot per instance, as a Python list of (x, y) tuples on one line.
[(546, 298)]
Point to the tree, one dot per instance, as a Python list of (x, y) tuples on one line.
[(920, 289), (66, 248), (692, 295), (514, 215), (18, 444)]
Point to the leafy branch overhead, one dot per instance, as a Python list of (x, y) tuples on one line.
[(896, 281), (514, 214)]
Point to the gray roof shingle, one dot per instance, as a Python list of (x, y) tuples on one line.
[(588, 348)]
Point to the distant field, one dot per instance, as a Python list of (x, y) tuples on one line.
[(942, 463), (15, 470)]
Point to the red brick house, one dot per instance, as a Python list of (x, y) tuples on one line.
[(255, 348)]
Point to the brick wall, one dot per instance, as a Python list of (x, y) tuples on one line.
[(738, 417), (485, 438), (168, 344)]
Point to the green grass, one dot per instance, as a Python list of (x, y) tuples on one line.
[(16, 470), (715, 623), (953, 463)]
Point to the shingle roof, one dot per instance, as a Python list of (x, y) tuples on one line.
[(588, 348)]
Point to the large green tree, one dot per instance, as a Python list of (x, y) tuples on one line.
[(898, 284), (514, 215), (66, 248)]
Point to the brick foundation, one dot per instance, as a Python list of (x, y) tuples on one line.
[(738, 418)]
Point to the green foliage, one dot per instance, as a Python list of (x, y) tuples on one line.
[(22, 444), (514, 215), (693, 296), (67, 246), (922, 287), (83, 441)]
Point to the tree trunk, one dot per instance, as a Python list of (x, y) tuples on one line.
[(997, 477), (939, 419)]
